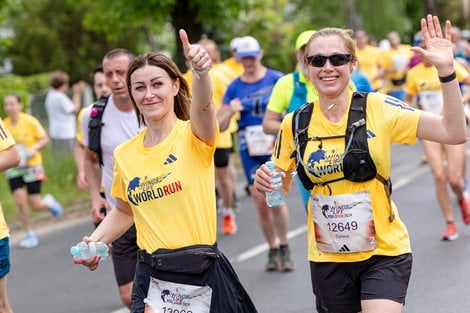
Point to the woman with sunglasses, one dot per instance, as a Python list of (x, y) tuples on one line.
[(359, 249)]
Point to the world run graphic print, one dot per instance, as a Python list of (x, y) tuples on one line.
[(143, 189)]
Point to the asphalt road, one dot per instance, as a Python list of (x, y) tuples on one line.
[(44, 279)]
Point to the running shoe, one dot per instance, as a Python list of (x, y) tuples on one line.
[(286, 262), (450, 233), (464, 204), (54, 207), (230, 225), (273, 260), (29, 241)]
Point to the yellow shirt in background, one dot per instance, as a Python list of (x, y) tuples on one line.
[(27, 131), (388, 121), (79, 136), (6, 141), (369, 63), (396, 60), (170, 188)]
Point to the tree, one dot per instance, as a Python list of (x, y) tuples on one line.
[(50, 35)]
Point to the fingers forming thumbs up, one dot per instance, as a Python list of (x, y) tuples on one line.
[(197, 57)]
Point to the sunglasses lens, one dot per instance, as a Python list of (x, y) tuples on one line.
[(340, 59), (316, 60)]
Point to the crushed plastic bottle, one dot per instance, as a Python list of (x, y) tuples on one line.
[(277, 196), (85, 250)]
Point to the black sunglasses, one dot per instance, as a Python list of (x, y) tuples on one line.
[(319, 60)]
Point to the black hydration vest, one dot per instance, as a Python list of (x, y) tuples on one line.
[(358, 165), (94, 126)]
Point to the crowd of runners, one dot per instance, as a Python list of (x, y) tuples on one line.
[(182, 131)]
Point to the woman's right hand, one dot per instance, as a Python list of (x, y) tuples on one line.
[(92, 263), (263, 181)]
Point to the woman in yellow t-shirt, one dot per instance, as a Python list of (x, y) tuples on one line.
[(354, 230), (30, 138), (167, 188)]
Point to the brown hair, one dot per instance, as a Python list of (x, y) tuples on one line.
[(182, 98), (58, 79), (16, 96), (344, 34)]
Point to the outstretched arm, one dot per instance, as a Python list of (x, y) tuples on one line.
[(202, 112), (449, 128)]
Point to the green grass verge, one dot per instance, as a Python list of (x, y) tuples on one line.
[(61, 182)]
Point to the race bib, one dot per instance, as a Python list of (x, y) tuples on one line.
[(258, 142), (431, 101), (344, 223), (168, 297)]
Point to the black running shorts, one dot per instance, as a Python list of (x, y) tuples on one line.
[(221, 157), (18, 182), (340, 287), (124, 255)]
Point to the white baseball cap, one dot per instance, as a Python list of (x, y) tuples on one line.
[(234, 43), (248, 47)]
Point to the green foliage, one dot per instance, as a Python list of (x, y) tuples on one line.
[(50, 35), (61, 177), (23, 86)]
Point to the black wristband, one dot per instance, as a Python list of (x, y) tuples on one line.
[(448, 78)]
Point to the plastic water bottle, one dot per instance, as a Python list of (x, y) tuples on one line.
[(85, 250), (275, 197)]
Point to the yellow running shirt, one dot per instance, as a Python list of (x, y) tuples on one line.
[(26, 132), (424, 81), (170, 188), (388, 121), (396, 61), (6, 141), (369, 63)]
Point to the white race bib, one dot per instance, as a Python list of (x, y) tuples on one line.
[(431, 101), (258, 142), (344, 223), (168, 297)]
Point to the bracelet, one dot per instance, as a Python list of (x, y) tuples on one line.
[(448, 78), (198, 73)]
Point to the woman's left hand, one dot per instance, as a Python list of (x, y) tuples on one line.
[(195, 54), (438, 45)]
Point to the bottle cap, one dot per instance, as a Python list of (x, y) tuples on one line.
[(270, 165), (75, 251)]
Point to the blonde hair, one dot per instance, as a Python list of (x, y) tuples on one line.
[(344, 34)]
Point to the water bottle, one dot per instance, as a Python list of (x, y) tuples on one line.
[(275, 197), (85, 250)]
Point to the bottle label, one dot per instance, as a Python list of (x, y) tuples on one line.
[(167, 297), (277, 181), (344, 223)]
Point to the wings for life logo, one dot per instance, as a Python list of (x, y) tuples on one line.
[(338, 210), (178, 297), (147, 188), (321, 163)]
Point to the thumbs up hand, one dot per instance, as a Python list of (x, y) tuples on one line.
[(197, 57)]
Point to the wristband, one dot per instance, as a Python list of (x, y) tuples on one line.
[(448, 78), (198, 73)]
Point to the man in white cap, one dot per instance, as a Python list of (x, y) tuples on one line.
[(249, 95)]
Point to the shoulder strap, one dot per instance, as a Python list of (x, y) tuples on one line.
[(94, 126), (300, 122)]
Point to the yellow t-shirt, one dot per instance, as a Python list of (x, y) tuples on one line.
[(388, 121), (235, 66), (396, 60), (423, 81), (369, 63), (6, 141), (79, 136), (221, 78), (170, 188), (26, 132)]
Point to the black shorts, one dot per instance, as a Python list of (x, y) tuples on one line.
[(18, 182), (124, 256), (228, 294), (221, 157), (340, 287)]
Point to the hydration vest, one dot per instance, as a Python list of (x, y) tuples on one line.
[(94, 126), (358, 165)]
